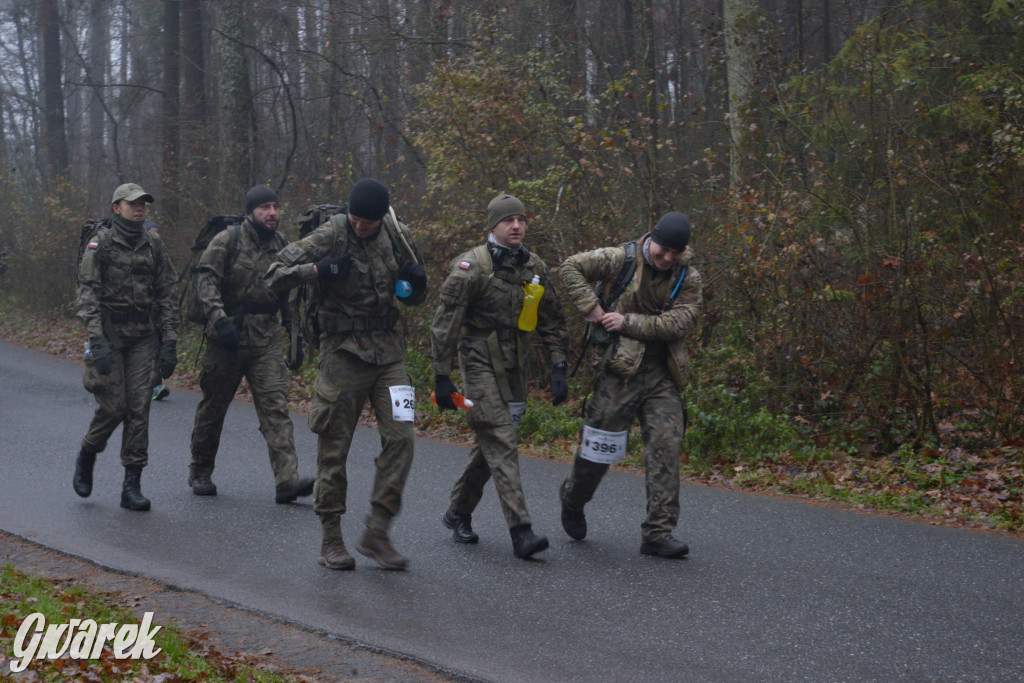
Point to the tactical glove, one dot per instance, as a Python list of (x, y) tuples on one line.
[(168, 358), (331, 268), (414, 274), (443, 390), (559, 384), (102, 355), (227, 334), (295, 361)]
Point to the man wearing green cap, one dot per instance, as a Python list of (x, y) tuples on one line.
[(358, 258), (124, 275), (479, 316), (642, 371), (244, 339)]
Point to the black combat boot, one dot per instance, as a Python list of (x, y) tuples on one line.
[(525, 543), (131, 491), (288, 491), (574, 522), (666, 546), (461, 526), (202, 486), (82, 481)]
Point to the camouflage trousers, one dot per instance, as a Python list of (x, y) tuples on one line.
[(343, 386), (653, 396), (263, 367), (494, 454), (124, 396)]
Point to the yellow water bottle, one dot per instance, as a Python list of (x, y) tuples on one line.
[(532, 292)]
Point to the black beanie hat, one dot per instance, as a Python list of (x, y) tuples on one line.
[(672, 231), (369, 200), (258, 196)]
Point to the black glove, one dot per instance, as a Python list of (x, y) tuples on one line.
[(168, 358), (331, 268), (414, 274), (295, 362), (102, 355), (443, 390), (559, 384), (227, 334)]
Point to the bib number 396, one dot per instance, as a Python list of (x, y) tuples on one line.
[(604, 447), (403, 403)]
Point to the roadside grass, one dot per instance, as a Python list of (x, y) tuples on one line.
[(733, 439), (181, 656)]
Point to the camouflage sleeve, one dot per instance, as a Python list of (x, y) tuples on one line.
[(457, 293), (166, 293), (551, 327), (210, 276), (88, 302), (675, 323), (416, 298), (293, 265), (578, 272)]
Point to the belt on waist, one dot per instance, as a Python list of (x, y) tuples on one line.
[(120, 317), (334, 324), (253, 309)]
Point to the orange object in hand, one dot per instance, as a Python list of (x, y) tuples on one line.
[(458, 399)]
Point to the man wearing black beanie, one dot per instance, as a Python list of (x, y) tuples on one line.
[(358, 258), (642, 371), (244, 338)]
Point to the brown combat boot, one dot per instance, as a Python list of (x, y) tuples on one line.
[(334, 555), (377, 546)]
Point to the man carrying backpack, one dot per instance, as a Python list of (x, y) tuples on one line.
[(244, 339), (642, 371), (124, 271), (357, 259), (480, 316)]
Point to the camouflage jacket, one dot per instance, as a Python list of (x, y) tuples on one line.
[(243, 295), (474, 304), (639, 303), (357, 314), (122, 285)]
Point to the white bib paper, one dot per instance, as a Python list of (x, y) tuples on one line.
[(403, 403), (604, 447), (516, 410)]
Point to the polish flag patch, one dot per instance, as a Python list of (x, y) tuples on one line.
[(465, 265), (93, 244)]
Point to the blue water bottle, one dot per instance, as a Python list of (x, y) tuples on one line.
[(403, 289)]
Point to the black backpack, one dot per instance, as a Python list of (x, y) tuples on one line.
[(189, 301), (91, 228)]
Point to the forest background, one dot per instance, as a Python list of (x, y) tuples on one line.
[(854, 171)]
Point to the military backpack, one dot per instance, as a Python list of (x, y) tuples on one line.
[(190, 301)]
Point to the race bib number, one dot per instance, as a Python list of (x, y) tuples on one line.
[(403, 403), (516, 410), (604, 447)]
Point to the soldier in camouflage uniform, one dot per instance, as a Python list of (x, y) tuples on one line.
[(357, 259), (244, 339), (124, 271), (641, 374), (478, 315)]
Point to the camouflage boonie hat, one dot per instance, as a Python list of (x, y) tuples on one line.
[(130, 192)]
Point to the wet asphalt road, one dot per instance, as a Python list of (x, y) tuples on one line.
[(773, 589)]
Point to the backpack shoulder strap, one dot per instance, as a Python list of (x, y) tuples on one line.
[(483, 257), (614, 289)]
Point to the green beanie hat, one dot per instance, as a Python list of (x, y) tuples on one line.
[(503, 206)]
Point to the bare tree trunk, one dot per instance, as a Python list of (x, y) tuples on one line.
[(99, 50), (171, 119), (54, 130), (235, 104), (741, 63), (193, 128)]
